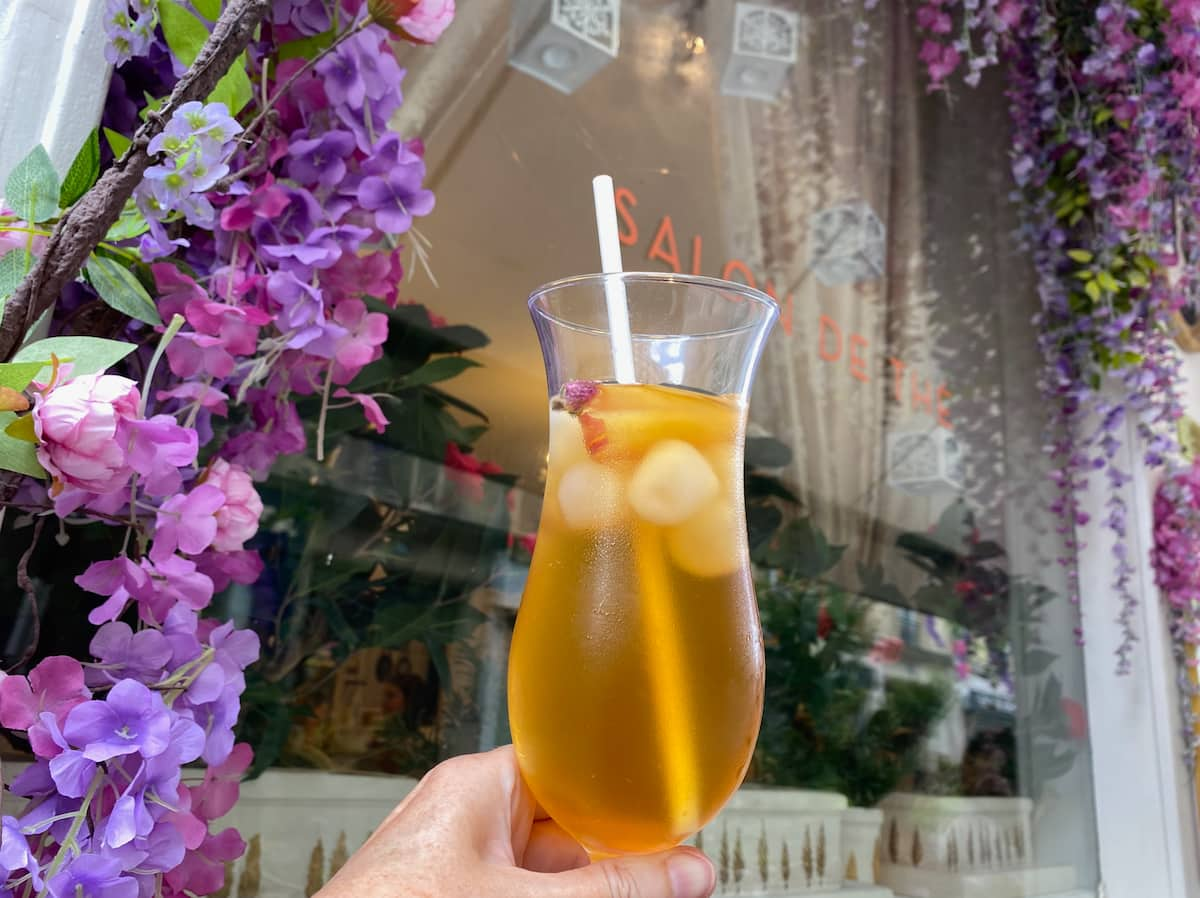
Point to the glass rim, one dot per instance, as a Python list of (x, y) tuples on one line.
[(758, 297)]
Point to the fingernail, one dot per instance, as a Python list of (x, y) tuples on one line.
[(691, 876)]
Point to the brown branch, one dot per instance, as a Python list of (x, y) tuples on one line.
[(30, 590), (84, 225)]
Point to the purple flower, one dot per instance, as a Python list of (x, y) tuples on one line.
[(93, 876), (158, 449), (71, 771), (142, 655), (186, 522), (396, 197), (15, 854), (301, 308), (306, 16), (321, 160), (132, 718)]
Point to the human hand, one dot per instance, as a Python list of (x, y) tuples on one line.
[(471, 829)]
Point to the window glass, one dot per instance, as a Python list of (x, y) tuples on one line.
[(921, 654)]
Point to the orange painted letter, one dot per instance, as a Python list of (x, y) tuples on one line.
[(858, 364), (826, 324), (697, 247), (943, 413), (665, 236), (738, 265), (625, 203)]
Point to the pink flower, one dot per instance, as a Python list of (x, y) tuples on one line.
[(218, 793), (119, 579), (190, 354), (158, 449), (187, 522), (467, 471), (426, 21), (374, 414), (237, 326), (224, 568), (887, 650), (209, 398), (371, 274), (266, 202), (357, 343), (82, 431), (237, 519), (202, 871), (528, 542), (54, 685)]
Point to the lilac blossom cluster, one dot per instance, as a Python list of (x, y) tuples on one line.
[(1177, 573), (193, 151), (265, 245), (129, 26)]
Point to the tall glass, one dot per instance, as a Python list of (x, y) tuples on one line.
[(636, 671)]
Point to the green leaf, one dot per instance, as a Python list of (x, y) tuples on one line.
[(22, 429), (88, 355), (234, 89), (16, 455), (185, 33), (14, 265), (32, 188), (131, 224), (1108, 282), (210, 9), (306, 47), (436, 370), (1102, 116), (121, 290), (1081, 256), (1093, 290), (17, 375), (83, 172), (118, 143)]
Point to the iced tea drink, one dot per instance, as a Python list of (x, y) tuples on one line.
[(636, 671)]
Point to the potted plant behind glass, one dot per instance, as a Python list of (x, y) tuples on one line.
[(825, 726)]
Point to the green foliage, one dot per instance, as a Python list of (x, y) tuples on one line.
[(14, 265), (17, 375), (817, 732), (84, 171), (210, 9), (88, 355), (117, 142), (15, 454), (120, 289), (130, 224), (234, 89), (32, 188), (185, 34)]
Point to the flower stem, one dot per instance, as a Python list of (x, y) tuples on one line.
[(324, 414), (168, 335), (68, 842)]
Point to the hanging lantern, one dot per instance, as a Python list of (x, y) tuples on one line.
[(766, 44), (924, 462), (565, 42), (847, 242)]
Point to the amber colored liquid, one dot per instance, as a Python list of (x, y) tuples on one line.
[(636, 671)]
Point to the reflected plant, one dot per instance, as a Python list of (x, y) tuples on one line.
[(819, 730)]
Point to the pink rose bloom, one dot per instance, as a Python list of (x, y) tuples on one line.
[(237, 519), (426, 21), (82, 431)]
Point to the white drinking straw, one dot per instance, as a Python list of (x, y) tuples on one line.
[(620, 338)]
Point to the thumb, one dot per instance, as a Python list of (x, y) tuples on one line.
[(680, 873)]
